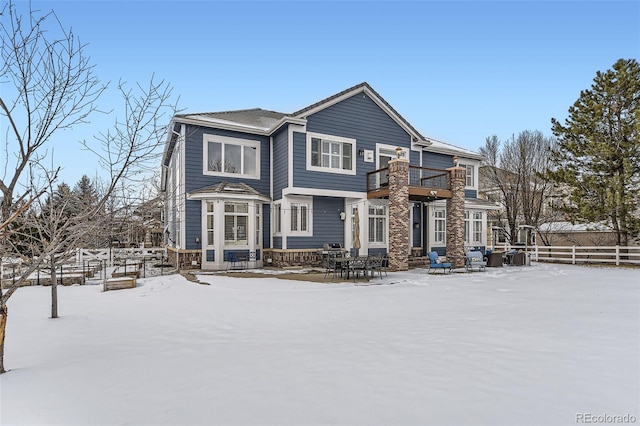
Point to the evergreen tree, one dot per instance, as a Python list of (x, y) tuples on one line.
[(598, 152)]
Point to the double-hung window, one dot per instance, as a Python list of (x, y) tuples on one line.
[(477, 227), (210, 223), (332, 154), (377, 224), (299, 217), (236, 221), (440, 226), (277, 218), (233, 157), (470, 176)]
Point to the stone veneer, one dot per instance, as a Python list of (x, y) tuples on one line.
[(455, 217), (399, 215)]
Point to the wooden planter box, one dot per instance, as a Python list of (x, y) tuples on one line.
[(119, 283)]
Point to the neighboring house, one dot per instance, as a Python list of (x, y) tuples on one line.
[(568, 234), (277, 187)]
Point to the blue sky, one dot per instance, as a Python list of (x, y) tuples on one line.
[(457, 71)]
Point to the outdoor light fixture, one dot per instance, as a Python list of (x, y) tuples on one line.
[(361, 152), (455, 161), (398, 152)]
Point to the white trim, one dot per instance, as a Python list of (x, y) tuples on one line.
[(227, 196), (288, 201), (225, 140), (322, 193), (332, 138), (227, 125)]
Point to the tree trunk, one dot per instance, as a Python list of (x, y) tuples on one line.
[(54, 292), (3, 326)]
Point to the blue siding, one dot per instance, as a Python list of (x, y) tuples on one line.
[(193, 224), (327, 225), (211, 255), (437, 161), (417, 242), (280, 162), (266, 226), (195, 179), (470, 193), (359, 118), (277, 242)]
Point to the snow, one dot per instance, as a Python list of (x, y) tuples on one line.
[(536, 345)]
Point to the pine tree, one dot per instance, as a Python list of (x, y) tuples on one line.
[(598, 153)]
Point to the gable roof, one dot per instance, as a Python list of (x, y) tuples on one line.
[(368, 90)]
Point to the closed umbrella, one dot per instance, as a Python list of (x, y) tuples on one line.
[(356, 231)]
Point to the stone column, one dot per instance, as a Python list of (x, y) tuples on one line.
[(399, 215), (455, 216)]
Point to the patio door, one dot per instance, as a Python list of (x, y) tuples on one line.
[(384, 156)]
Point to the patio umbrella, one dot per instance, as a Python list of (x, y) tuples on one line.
[(356, 231)]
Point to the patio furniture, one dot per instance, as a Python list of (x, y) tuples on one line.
[(236, 261), (375, 265), (474, 261), (495, 259), (435, 263), (357, 266)]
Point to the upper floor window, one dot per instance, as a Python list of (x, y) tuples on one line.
[(471, 180), (332, 154), (224, 156)]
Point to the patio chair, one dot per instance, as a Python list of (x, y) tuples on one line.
[(435, 263), (473, 260), (375, 265)]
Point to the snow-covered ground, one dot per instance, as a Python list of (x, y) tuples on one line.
[(539, 345)]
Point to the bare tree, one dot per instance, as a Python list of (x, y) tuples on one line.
[(55, 88), (513, 171)]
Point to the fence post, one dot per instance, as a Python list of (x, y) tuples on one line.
[(617, 255), (573, 255)]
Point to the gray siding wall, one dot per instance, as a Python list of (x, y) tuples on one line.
[(357, 117), (280, 162), (470, 193), (327, 226)]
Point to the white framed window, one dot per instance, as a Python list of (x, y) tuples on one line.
[(277, 218), (300, 215), (258, 241), (377, 224), (467, 227), (236, 222), (470, 180), (333, 154), (210, 224), (440, 226), (232, 157), (477, 227)]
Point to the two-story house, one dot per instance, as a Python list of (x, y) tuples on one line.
[(277, 187)]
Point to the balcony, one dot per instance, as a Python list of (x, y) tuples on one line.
[(425, 184)]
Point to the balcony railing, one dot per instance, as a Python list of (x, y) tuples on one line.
[(424, 182)]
